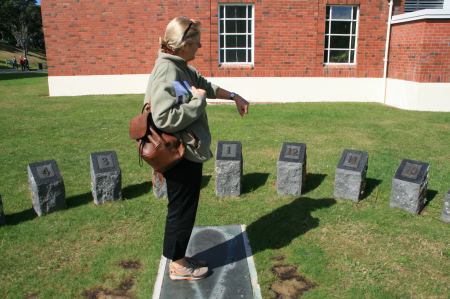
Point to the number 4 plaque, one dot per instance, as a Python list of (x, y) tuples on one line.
[(47, 187)]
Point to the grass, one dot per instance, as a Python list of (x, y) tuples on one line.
[(7, 52), (346, 250)]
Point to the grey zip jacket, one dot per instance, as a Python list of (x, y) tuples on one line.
[(175, 109)]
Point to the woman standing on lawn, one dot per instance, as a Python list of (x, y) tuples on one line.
[(177, 94)]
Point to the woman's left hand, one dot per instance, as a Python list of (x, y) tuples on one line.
[(241, 105)]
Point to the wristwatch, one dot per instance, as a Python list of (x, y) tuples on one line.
[(232, 95)]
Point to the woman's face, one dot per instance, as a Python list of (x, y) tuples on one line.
[(190, 49)]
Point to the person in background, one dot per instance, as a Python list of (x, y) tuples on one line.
[(14, 63), (22, 62), (177, 94)]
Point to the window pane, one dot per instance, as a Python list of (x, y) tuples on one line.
[(249, 56), (355, 12), (340, 42), (325, 56), (235, 11), (328, 12), (327, 27), (249, 26), (249, 41), (249, 14), (353, 42), (235, 41), (354, 27), (235, 55), (221, 26), (221, 12), (241, 56), (338, 56), (326, 41), (235, 26), (221, 56), (340, 27), (352, 56), (341, 12), (221, 44)]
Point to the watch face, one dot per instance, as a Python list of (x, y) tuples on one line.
[(232, 95)]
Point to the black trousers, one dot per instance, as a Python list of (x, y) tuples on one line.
[(183, 190)]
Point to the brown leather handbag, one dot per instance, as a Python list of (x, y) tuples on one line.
[(160, 150)]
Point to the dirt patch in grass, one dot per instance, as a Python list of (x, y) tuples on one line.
[(290, 284), (33, 295), (130, 264), (122, 291)]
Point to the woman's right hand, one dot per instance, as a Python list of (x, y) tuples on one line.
[(199, 93)]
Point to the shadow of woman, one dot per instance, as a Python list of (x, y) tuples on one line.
[(272, 231), (277, 229)]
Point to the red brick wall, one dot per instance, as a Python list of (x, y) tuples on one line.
[(420, 51), (121, 37)]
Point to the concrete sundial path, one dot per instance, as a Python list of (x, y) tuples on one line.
[(232, 269)]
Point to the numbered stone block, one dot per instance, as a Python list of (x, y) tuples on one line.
[(350, 178), (48, 193), (159, 185), (2, 213), (229, 167), (409, 186), (291, 169), (106, 177), (446, 211)]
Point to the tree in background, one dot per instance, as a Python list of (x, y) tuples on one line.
[(21, 19)]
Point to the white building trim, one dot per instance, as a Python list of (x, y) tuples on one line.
[(400, 93), (96, 84), (423, 14)]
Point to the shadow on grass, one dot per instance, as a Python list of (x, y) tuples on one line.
[(205, 181), (272, 231), (136, 190), (252, 181), (431, 194), (278, 228), (78, 200), (313, 180), (371, 184), (16, 218), (22, 75)]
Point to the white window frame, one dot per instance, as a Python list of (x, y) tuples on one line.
[(355, 36), (414, 5), (224, 34)]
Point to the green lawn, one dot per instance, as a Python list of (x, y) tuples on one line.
[(346, 250)]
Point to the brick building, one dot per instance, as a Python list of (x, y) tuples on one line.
[(267, 50)]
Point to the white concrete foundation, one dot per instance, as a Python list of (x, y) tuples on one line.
[(400, 93)]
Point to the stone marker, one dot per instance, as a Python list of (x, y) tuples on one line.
[(159, 185), (232, 275), (291, 169), (350, 179), (2, 214), (229, 168), (106, 177), (48, 193), (409, 186), (446, 211)]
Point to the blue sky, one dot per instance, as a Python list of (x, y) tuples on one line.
[(38, 2)]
